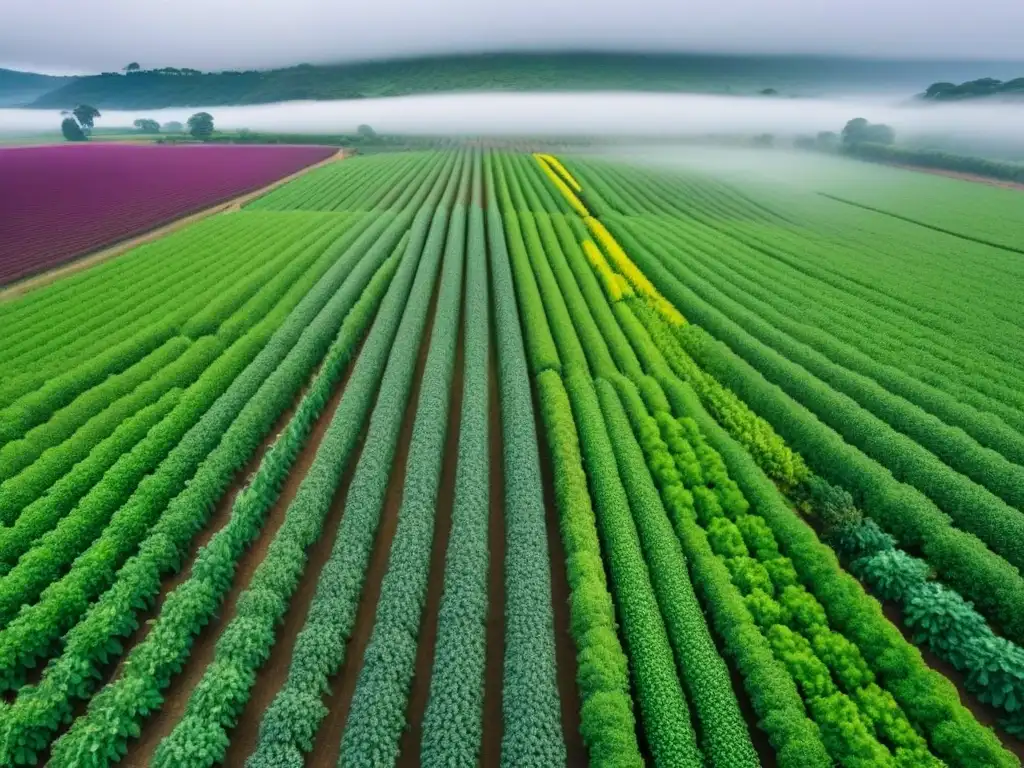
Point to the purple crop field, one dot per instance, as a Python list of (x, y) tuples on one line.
[(60, 202)]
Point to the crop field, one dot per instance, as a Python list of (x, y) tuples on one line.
[(480, 458), (60, 202)]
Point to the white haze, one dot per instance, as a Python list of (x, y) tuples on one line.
[(611, 113)]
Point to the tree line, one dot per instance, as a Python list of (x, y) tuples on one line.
[(79, 122)]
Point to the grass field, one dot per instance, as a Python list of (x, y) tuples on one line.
[(473, 458)]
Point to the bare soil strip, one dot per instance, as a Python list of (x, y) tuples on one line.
[(409, 747), (490, 752), (92, 258), (327, 745), (983, 713), (565, 647), (972, 177), (273, 674), (176, 697)]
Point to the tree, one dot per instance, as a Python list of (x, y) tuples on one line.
[(173, 126), (764, 140), (769, 92), (72, 130), (200, 125), (366, 132), (827, 140), (147, 126), (860, 131), (86, 114), (133, 67)]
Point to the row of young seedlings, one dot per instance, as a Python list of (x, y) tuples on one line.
[(988, 747), (277, 373)]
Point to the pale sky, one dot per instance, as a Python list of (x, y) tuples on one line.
[(69, 36)]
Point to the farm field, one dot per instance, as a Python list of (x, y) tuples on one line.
[(60, 202), (468, 457)]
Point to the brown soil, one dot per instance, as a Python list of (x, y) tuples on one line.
[(983, 713), (327, 745), (490, 752), (964, 176), (273, 674), (565, 648), (84, 261), (409, 747), (176, 696)]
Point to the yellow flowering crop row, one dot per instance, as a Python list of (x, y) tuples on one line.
[(552, 161), (614, 284), (567, 193), (633, 274)]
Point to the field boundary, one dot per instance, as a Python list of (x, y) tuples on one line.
[(934, 227), (92, 258)]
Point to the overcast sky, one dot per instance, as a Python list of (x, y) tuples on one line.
[(69, 36)]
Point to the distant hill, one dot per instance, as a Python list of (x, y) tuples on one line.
[(792, 75), (20, 88), (986, 87)]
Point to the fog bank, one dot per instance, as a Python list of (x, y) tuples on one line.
[(640, 114)]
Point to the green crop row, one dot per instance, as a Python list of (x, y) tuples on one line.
[(532, 734), (377, 715), (723, 731), (99, 737), (962, 559), (290, 723), (838, 396), (606, 711), (453, 721), (63, 601)]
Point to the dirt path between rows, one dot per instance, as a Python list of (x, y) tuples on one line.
[(409, 746), (565, 647), (490, 751), (274, 672), (327, 745), (118, 248), (983, 713), (176, 697)]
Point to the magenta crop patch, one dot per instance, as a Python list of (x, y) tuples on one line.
[(60, 202)]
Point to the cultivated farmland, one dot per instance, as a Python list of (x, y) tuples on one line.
[(469, 457), (59, 202)]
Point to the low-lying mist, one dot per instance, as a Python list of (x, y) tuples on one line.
[(607, 113)]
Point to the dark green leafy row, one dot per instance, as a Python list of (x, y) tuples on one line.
[(377, 715), (532, 734), (453, 721), (30, 634), (290, 723), (723, 731)]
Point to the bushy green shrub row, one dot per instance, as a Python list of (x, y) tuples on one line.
[(377, 715), (606, 709), (723, 731), (773, 694), (663, 707), (453, 721), (532, 734), (928, 699), (290, 723)]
